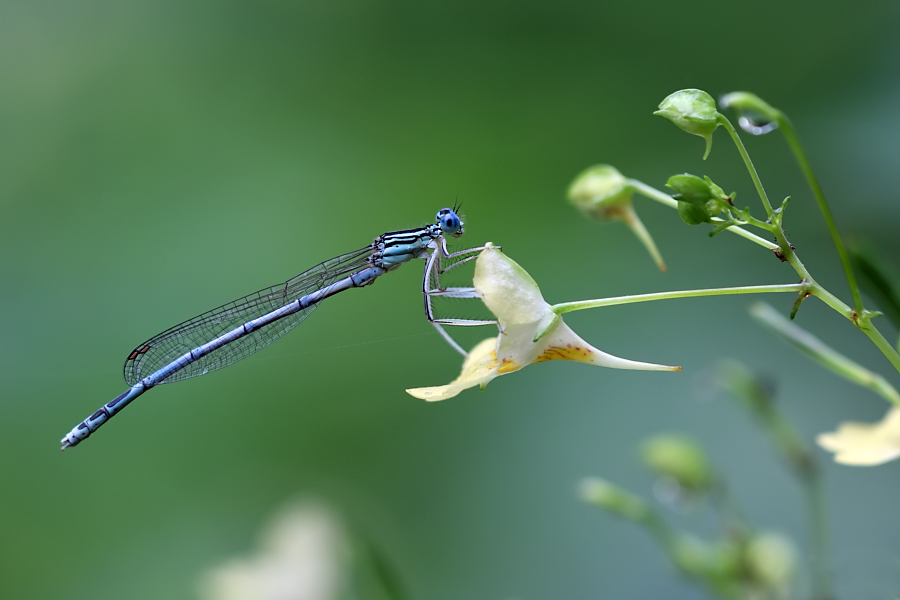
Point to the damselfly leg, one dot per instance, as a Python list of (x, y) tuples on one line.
[(431, 288)]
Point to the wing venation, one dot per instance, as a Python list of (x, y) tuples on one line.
[(162, 349)]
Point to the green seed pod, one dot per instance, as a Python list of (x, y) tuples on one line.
[(693, 111)]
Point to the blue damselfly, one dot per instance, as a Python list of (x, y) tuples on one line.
[(225, 335)]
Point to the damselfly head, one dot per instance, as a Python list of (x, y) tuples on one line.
[(450, 222)]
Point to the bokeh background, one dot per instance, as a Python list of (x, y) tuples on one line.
[(160, 158)]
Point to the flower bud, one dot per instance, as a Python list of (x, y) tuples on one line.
[(600, 192), (771, 560), (690, 188), (693, 111), (600, 492), (694, 214), (680, 458), (698, 199), (603, 193), (714, 563), (757, 116)]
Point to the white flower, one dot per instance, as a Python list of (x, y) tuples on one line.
[(865, 444), (300, 558), (530, 332)]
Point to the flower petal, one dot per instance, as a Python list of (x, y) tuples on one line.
[(865, 444), (479, 368), (561, 343), (530, 332), (508, 290)]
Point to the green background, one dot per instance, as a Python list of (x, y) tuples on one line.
[(160, 158)]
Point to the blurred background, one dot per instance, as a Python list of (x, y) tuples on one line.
[(158, 159)]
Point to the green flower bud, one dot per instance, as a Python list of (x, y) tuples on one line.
[(690, 188), (603, 193), (758, 117), (693, 111), (601, 493), (698, 199), (771, 560), (680, 458), (692, 556), (600, 192), (694, 214), (714, 563)]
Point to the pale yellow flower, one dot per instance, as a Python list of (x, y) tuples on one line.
[(865, 444), (301, 558), (530, 332)]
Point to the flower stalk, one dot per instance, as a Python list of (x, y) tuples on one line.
[(565, 307), (667, 200), (741, 384)]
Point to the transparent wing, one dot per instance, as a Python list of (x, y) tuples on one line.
[(176, 341)]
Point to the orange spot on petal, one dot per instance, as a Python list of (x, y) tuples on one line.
[(570, 352), (508, 366)]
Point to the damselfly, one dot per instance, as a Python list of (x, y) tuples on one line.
[(225, 335)]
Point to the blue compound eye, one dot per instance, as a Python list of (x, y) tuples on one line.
[(450, 222)]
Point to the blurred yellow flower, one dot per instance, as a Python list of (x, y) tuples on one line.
[(530, 332), (865, 444), (301, 558)]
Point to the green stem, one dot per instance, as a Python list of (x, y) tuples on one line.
[(749, 289), (859, 317), (723, 120), (825, 355), (664, 198), (862, 321), (757, 398), (794, 143), (814, 490), (886, 348)]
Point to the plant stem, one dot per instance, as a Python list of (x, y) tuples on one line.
[(664, 198), (860, 317), (723, 120), (757, 398), (825, 355), (794, 143), (749, 289), (814, 490), (886, 348), (862, 321)]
